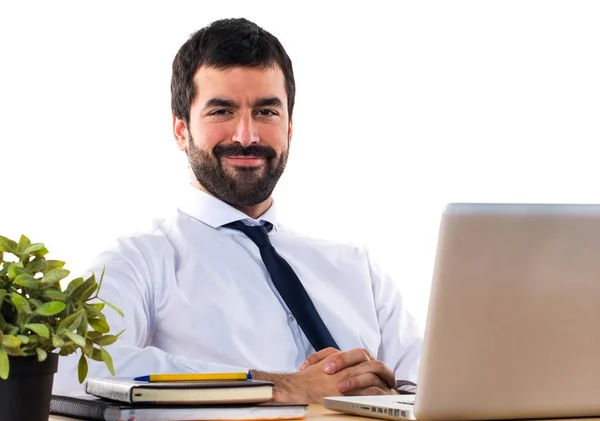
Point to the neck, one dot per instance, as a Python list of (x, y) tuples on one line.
[(253, 211)]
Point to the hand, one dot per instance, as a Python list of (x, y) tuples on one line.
[(307, 386), (360, 372), (353, 372)]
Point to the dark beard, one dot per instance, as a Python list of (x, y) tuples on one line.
[(250, 185)]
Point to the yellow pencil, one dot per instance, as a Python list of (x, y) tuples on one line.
[(191, 377)]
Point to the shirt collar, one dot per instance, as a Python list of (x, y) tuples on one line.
[(216, 213)]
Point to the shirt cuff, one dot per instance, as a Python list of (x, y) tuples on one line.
[(405, 387)]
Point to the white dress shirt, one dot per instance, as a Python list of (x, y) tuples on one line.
[(198, 298)]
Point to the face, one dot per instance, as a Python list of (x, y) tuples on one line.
[(238, 136)]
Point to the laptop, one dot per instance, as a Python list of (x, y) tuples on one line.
[(513, 323)]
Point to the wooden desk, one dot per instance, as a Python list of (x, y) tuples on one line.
[(318, 413), (315, 413)]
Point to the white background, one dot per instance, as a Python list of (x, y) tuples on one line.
[(400, 110)]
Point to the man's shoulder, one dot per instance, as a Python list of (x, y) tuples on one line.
[(151, 240), (321, 242)]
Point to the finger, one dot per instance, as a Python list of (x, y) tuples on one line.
[(318, 357), (371, 357), (376, 367), (342, 360), (384, 373), (360, 382)]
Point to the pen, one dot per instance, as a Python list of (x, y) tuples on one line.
[(190, 377)]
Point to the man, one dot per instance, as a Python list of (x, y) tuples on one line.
[(221, 286)]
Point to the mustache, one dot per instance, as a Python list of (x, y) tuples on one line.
[(239, 150)]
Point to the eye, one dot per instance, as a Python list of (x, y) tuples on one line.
[(220, 112), (265, 112)]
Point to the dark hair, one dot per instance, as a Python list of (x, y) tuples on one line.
[(222, 44)]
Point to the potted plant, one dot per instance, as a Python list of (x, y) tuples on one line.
[(39, 320)]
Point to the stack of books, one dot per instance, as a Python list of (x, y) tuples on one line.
[(169, 397)]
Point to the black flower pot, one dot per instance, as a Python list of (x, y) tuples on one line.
[(25, 395)]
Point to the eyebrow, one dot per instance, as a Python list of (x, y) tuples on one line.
[(271, 101)]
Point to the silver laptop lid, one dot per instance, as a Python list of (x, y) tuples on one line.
[(513, 327)]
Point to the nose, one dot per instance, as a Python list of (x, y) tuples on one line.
[(245, 131)]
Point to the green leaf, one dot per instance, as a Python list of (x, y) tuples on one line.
[(93, 312), (33, 340), (99, 325), (54, 294), (82, 368), (8, 245), (50, 308), (89, 347), (54, 275), (39, 329), (24, 339), (24, 243), (36, 265), (79, 340), (74, 284), (3, 293), (33, 248), (106, 340), (3, 363), (41, 354), (15, 269), (108, 361), (15, 352), (11, 341), (85, 295), (53, 264), (57, 341), (101, 280), (92, 334), (97, 306), (1, 336), (20, 303), (82, 328), (71, 321), (96, 354), (114, 307), (26, 280), (84, 287), (68, 349), (40, 252)]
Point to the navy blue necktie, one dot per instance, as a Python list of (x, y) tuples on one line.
[(289, 286)]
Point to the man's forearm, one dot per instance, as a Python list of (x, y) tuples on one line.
[(287, 387), (284, 390)]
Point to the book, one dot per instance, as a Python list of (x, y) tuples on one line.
[(127, 390), (97, 409)]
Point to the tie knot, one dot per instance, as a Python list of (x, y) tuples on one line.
[(259, 234)]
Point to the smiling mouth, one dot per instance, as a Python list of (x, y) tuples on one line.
[(245, 161)]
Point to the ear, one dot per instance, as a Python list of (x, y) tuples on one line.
[(180, 133), (290, 130)]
